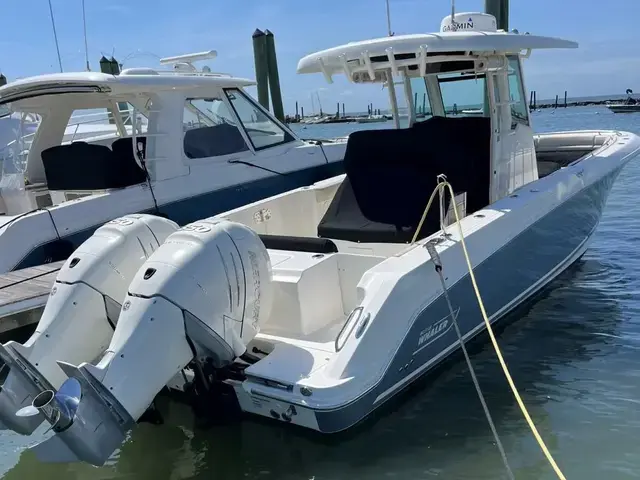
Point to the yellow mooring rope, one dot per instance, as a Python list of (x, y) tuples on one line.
[(445, 185)]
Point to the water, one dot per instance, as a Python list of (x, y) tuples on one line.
[(574, 356)]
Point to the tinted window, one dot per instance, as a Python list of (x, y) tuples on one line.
[(210, 129), (262, 130)]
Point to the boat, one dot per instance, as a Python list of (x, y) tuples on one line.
[(316, 306), (182, 142), (371, 119), (630, 105)]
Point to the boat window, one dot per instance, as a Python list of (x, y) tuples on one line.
[(127, 112), (420, 98), (210, 129), (463, 95), (261, 129), (89, 122), (516, 92)]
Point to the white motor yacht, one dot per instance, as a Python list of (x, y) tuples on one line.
[(183, 142)]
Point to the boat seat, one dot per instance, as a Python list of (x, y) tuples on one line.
[(392, 173), (299, 244), (214, 141), (124, 147), (86, 166)]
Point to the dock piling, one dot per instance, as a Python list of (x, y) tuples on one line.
[(500, 10), (565, 99), (274, 77), (261, 65)]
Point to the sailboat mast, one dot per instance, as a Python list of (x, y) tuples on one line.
[(55, 35), (86, 48)]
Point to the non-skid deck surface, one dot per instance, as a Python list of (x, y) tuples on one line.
[(23, 290)]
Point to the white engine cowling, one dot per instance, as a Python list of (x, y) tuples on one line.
[(204, 293), (217, 272), (81, 313)]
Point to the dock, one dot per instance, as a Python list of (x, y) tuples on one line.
[(23, 295)]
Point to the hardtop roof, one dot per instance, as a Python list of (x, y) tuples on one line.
[(332, 60), (123, 83)]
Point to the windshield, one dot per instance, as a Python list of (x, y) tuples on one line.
[(4, 111), (463, 95)]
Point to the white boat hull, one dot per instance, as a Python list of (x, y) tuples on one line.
[(624, 108), (519, 246)]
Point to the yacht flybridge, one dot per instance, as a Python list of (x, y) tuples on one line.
[(184, 143), (316, 306)]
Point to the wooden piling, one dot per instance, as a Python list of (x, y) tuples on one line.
[(274, 77), (556, 105), (565, 99), (343, 114), (261, 65), (500, 10), (302, 112)]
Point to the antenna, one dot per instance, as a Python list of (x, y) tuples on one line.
[(55, 35), (86, 49), (453, 13), (389, 20)]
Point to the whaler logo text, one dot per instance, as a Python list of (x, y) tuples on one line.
[(435, 331)]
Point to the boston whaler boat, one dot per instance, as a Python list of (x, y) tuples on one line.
[(316, 306), (183, 143)]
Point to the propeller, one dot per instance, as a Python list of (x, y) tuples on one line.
[(59, 408)]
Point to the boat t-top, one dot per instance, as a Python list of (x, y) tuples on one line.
[(316, 306), (182, 142)]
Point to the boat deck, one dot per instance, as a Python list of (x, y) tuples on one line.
[(23, 291)]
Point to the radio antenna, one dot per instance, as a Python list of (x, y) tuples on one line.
[(389, 20), (55, 35), (453, 13), (86, 49)]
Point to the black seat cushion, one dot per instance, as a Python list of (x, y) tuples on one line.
[(124, 147), (85, 166), (299, 244), (214, 141), (392, 173)]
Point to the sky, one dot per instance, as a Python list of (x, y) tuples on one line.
[(140, 32)]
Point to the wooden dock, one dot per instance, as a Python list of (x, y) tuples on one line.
[(24, 293)]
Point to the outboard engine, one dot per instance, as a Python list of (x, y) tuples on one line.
[(81, 313), (201, 297)]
